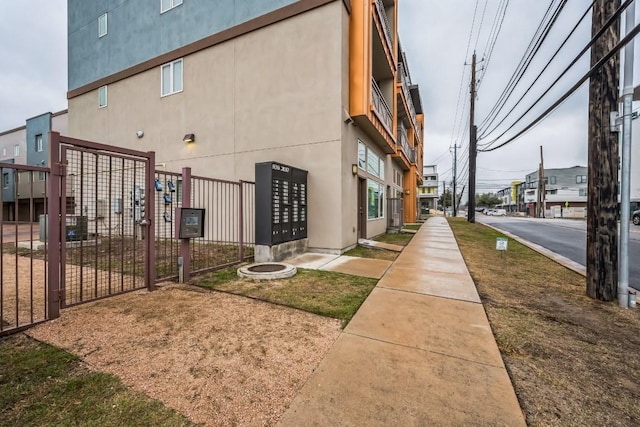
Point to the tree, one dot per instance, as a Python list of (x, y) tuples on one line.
[(445, 199), (487, 199)]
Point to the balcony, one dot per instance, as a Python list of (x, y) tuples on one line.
[(380, 106), (404, 80), (407, 150), (384, 23)]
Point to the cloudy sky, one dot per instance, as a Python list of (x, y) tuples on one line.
[(439, 38)]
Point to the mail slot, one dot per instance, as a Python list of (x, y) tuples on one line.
[(191, 223)]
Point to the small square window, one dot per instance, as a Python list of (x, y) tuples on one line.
[(102, 97), (169, 4), (171, 78), (102, 25), (39, 147)]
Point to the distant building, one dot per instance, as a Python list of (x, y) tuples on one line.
[(565, 192), (27, 145), (428, 192), (509, 197), (321, 85)]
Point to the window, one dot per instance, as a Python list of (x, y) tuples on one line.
[(581, 179), (169, 4), (39, 143), (4, 152), (102, 25), (373, 164), (582, 192), (102, 97), (171, 78), (552, 180), (362, 155), (41, 176), (5, 180), (375, 200), (16, 150)]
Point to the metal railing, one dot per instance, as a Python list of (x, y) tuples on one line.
[(408, 151), (384, 22), (405, 82), (380, 105)]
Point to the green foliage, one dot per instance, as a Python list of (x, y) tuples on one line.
[(43, 385), (487, 199)]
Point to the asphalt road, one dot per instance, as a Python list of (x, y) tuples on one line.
[(564, 237)]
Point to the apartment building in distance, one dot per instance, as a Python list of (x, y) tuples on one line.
[(428, 192), (565, 192), (27, 145), (321, 85)]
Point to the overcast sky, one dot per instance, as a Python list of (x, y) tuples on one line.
[(439, 39)]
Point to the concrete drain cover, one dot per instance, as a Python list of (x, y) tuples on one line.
[(267, 271)]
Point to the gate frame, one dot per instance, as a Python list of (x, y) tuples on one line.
[(56, 189)]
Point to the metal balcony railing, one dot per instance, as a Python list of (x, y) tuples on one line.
[(386, 28), (409, 152), (380, 105), (403, 77)]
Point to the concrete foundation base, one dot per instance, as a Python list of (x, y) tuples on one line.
[(280, 252)]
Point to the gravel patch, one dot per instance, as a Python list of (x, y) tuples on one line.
[(219, 359)]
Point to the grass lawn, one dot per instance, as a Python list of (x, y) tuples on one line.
[(412, 226), (42, 385), (321, 292), (572, 360), (401, 239)]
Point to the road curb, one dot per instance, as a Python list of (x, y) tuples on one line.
[(563, 261)]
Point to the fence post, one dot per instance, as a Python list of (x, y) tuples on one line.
[(150, 210), (54, 225), (241, 222), (185, 243)]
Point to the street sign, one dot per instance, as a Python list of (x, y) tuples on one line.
[(501, 243)]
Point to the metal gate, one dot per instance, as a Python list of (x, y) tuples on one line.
[(23, 252), (99, 197)]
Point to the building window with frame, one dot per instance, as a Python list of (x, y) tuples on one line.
[(39, 147), (102, 25), (166, 5), (16, 150), (4, 152), (171, 75), (102, 97), (41, 176), (375, 200), (5, 180), (552, 180), (581, 179), (582, 192), (362, 155)]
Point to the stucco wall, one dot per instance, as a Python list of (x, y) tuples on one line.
[(273, 94), (137, 31)]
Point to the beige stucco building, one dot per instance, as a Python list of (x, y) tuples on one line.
[(319, 85)]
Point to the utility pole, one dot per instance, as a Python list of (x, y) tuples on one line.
[(455, 176), (543, 186), (602, 201), (444, 197), (625, 172), (471, 210)]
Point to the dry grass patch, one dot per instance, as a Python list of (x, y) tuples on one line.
[(572, 360), (321, 292)]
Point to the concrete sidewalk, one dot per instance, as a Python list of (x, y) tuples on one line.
[(419, 351)]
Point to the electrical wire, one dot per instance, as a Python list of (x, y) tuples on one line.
[(544, 69), (630, 35), (530, 53), (496, 27)]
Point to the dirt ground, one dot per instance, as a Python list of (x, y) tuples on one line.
[(219, 359)]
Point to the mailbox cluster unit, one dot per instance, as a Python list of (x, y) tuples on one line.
[(281, 203)]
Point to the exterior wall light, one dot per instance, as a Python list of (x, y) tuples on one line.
[(189, 138), (354, 169)]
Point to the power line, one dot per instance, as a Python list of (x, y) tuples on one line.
[(493, 37), (544, 69), (525, 61), (630, 35)]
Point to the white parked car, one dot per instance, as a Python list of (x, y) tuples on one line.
[(497, 212)]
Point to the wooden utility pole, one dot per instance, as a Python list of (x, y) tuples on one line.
[(455, 171), (602, 203), (543, 186), (471, 209)]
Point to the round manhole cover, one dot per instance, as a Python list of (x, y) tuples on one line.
[(267, 268)]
